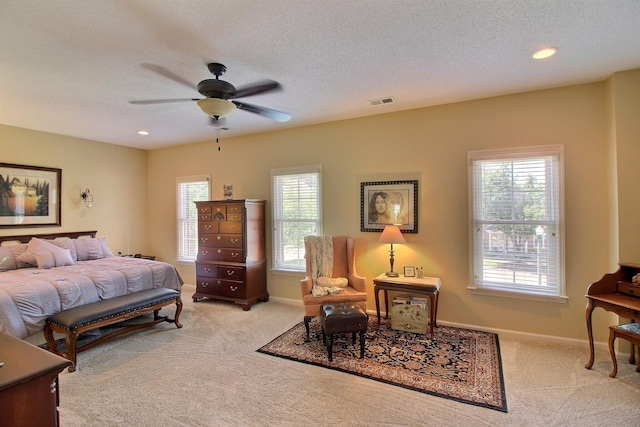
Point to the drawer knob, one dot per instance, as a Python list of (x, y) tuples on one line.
[(204, 239), (230, 227), (234, 254), (218, 282), (207, 270), (218, 237), (204, 285), (233, 288), (207, 227), (234, 240), (230, 272), (204, 252), (219, 251)]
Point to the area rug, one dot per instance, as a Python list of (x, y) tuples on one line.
[(458, 364)]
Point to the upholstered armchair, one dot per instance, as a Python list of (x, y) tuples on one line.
[(343, 267)]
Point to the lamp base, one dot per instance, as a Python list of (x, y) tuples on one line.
[(392, 274)]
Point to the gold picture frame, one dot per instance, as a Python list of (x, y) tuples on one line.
[(29, 196)]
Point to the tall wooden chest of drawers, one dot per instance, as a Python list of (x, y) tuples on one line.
[(231, 263)]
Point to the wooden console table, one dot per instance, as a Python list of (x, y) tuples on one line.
[(429, 286), (28, 384)]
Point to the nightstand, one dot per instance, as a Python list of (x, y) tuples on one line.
[(429, 286)]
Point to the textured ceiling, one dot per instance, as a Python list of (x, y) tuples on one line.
[(71, 67)]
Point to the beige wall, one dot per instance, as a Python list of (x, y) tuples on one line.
[(430, 145), (597, 123), (115, 175), (626, 95)]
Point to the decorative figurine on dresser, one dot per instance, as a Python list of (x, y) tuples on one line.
[(231, 263)]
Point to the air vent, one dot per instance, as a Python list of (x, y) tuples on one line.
[(381, 101)]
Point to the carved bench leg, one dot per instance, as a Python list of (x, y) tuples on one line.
[(71, 340), (178, 311)]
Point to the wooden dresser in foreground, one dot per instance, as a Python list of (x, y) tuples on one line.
[(28, 384), (231, 263)]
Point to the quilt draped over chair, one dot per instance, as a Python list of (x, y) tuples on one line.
[(331, 258)]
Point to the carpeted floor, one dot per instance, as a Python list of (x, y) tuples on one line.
[(209, 374), (459, 364)]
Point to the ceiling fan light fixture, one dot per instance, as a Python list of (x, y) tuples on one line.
[(216, 107)]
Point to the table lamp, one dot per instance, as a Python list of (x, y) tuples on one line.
[(391, 234)]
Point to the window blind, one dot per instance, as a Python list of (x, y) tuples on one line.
[(517, 220), (189, 190), (297, 213)]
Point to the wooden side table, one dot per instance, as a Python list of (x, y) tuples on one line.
[(429, 286), (28, 384)]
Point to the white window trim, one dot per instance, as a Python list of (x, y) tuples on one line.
[(293, 171), (507, 153), (179, 180)]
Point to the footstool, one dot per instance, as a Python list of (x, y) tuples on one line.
[(342, 318), (629, 332)]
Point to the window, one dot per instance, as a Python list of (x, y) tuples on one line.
[(297, 212), (189, 189), (516, 216)]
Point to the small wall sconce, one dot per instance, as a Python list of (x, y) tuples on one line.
[(87, 197)]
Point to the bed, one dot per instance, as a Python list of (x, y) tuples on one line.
[(41, 275)]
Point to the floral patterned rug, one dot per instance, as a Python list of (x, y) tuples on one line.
[(459, 364)]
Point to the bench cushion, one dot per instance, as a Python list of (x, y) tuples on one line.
[(98, 311)]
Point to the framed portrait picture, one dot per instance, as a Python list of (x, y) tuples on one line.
[(29, 196), (409, 271), (389, 202)]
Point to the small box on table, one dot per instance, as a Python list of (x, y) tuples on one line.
[(409, 314)]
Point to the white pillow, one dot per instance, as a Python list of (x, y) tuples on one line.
[(35, 246), (66, 244), (88, 249), (105, 247), (332, 282), (7, 260), (56, 258)]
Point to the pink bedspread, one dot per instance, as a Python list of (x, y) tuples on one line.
[(29, 295)]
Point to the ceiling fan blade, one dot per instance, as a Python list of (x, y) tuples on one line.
[(161, 101), (168, 74), (257, 88), (276, 115)]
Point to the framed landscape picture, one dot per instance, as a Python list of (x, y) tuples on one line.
[(389, 202), (29, 196)]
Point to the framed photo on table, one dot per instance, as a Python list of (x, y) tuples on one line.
[(389, 203), (409, 271), (29, 196)]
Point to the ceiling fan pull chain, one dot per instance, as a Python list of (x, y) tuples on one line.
[(218, 138)]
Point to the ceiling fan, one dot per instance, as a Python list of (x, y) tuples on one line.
[(220, 97)]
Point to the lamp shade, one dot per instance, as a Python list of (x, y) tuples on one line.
[(391, 234), (216, 107)]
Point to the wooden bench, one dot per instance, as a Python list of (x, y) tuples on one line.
[(76, 320)]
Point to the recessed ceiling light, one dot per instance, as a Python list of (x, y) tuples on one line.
[(544, 52), (143, 132)]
